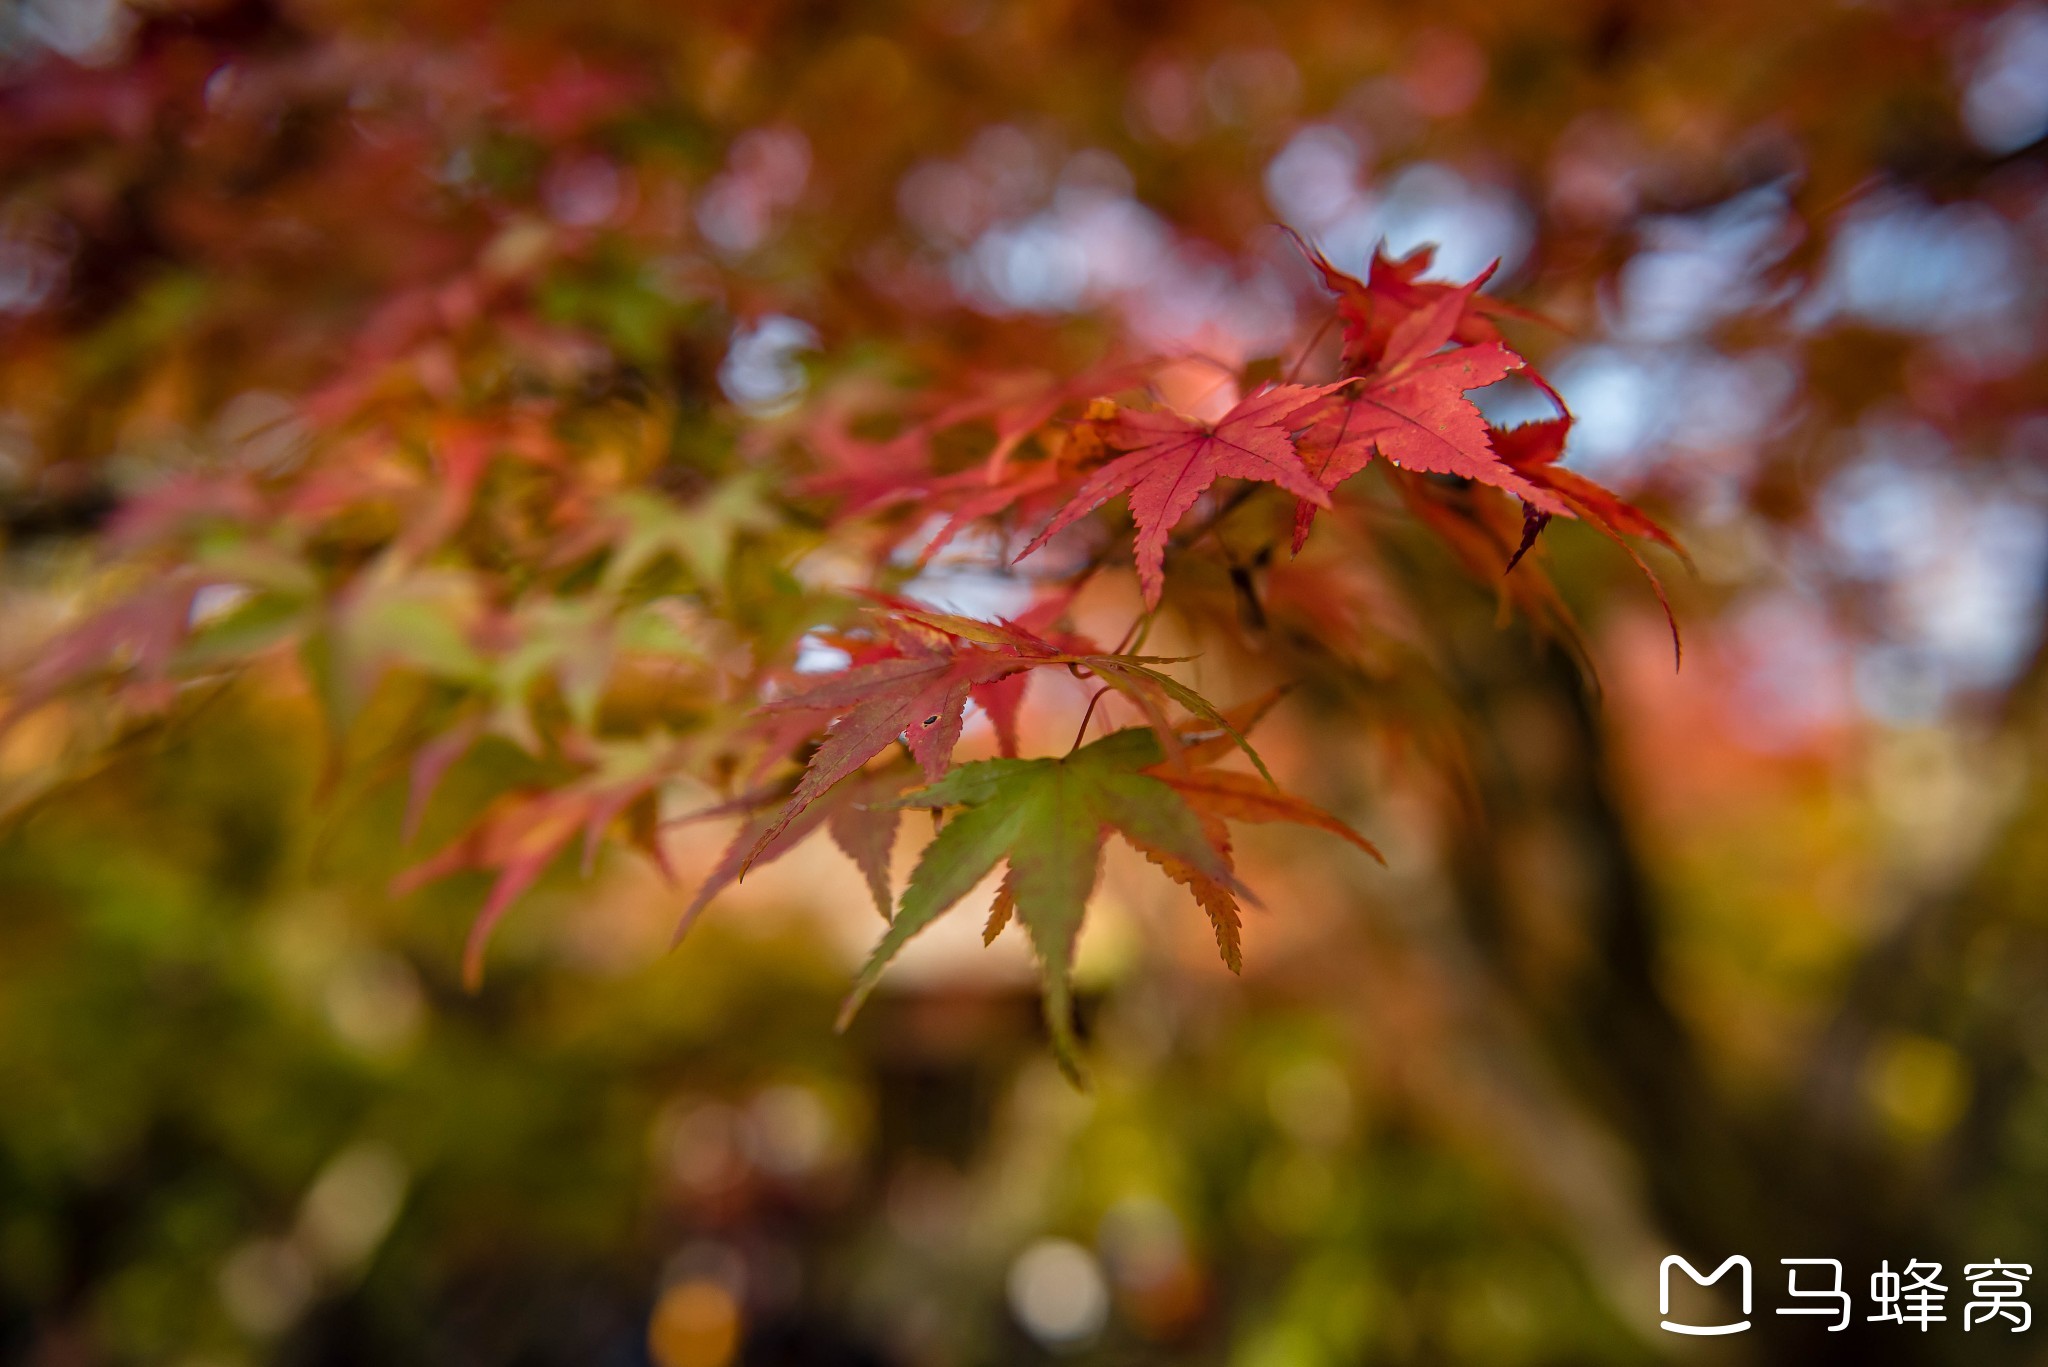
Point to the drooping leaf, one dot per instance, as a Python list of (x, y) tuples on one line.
[(1216, 794), (1242, 797), (521, 834), (1481, 534), (859, 814), (1534, 450), (754, 843), (864, 827), (1215, 897), (137, 637), (431, 764)]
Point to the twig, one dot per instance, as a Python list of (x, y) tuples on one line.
[(1086, 717)]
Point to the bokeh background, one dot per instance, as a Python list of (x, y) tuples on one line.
[(1749, 958)]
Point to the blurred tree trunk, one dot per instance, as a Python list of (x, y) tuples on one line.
[(1724, 1173)]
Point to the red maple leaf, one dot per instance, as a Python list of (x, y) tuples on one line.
[(858, 814), (913, 682), (1014, 405), (861, 474), (1533, 450), (135, 641), (1172, 460), (1022, 488), (866, 475), (522, 832), (1371, 309), (919, 695), (1413, 411)]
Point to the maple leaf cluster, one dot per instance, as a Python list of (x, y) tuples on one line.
[(508, 565), (1412, 351)]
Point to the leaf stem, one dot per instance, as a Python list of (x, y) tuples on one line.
[(1087, 717), (1123, 645)]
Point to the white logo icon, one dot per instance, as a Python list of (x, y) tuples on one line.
[(1704, 1330)]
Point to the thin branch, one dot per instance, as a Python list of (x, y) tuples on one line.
[(1087, 717)]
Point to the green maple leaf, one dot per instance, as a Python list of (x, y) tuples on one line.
[(701, 536), (1048, 818)]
